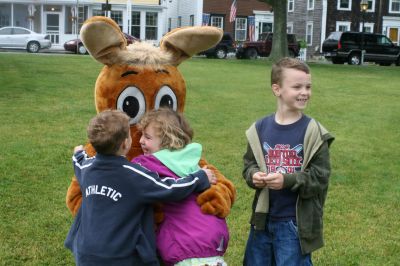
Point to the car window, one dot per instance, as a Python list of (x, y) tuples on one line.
[(226, 37), (20, 31), (371, 39), (383, 40), (262, 36), (334, 36), (6, 31), (350, 38)]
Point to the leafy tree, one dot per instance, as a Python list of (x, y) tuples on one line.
[(279, 41)]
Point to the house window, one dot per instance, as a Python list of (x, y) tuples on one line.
[(151, 25), (5, 15), (191, 20), (344, 5), (368, 27), (290, 5), (217, 22), (309, 33), (343, 26), (310, 5), (135, 28), (289, 27), (240, 29), (371, 6), (97, 12), (394, 6), (117, 17), (179, 23)]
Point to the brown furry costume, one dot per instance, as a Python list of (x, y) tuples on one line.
[(141, 77)]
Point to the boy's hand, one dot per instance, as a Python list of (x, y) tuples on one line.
[(274, 181), (259, 179), (210, 174), (78, 148)]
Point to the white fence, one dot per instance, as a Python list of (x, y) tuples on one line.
[(303, 54)]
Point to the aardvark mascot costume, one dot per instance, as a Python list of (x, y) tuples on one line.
[(141, 77)]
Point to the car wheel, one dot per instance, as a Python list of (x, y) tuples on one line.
[(82, 49), (251, 53), (220, 53), (33, 47), (355, 59)]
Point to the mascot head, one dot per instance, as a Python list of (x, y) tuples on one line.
[(140, 77)]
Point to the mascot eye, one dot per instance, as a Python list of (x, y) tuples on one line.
[(132, 102), (166, 98)]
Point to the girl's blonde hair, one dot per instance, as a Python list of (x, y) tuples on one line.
[(172, 128)]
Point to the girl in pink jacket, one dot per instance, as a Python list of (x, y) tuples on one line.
[(186, 236)]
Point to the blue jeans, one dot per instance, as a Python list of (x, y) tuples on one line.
[(278, 245)]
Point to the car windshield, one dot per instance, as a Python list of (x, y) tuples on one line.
[(263, 36)]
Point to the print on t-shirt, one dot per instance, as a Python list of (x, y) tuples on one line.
[(282, 158)]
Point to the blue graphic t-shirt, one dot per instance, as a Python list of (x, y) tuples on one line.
[(283, 152)]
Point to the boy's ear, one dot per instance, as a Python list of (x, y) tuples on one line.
[(276, 90)]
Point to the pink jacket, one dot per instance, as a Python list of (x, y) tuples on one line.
[(186, 232)]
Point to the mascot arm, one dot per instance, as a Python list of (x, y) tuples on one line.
[(219, 198), (74, 194)]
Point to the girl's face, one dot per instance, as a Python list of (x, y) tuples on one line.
[(150, 141)]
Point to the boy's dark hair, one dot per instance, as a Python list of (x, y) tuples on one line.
[(107, 130), (286, 62), (172, 127)]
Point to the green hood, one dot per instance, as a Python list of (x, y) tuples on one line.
[(182, 162)]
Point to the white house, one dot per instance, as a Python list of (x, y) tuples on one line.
[(62, 19)]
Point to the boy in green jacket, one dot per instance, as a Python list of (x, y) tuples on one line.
[(287, 163)]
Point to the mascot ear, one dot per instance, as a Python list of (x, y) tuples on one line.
[(103, 39), (185, 42)]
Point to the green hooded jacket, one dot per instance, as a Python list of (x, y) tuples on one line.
[(311, 183)]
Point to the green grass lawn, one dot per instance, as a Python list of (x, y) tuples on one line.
[(47, 100)]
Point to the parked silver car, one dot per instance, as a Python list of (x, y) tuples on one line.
[(21, 38)]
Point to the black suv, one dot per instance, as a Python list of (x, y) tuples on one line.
[(343, 47), (225, 46)]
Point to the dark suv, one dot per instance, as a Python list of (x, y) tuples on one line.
[(225, 46), (341, 47)]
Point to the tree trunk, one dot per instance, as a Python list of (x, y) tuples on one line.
[(279, 41)]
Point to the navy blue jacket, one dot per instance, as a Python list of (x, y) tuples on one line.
[(114, 225)]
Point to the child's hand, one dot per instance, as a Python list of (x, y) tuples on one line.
[(274, 181), (259, 179), (78, 148), (210, 174)]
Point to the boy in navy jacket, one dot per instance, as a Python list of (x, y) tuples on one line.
[(114, 225)]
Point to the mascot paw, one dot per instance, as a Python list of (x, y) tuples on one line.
[(215, 201)]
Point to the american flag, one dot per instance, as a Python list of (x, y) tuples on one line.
[(232, 15), (206, 18), (252, 26)]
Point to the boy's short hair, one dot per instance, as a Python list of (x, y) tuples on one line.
[(172, 127), (107, 130), (286, 62)]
